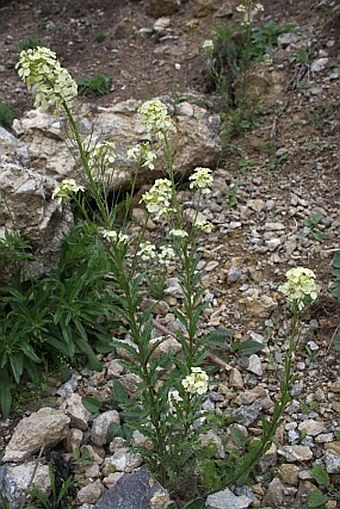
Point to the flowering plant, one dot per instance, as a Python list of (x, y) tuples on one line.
[(300, 286), (142, 155), (196, 382), (41, 71), (156, 119), (67, 189)]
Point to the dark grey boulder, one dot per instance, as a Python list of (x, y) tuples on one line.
[(134, 491)]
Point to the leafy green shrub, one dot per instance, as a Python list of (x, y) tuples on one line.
[(98, 85), (30, 43), (236, 48), (264, 37), (231, 55), (57, 315), (6, 115)]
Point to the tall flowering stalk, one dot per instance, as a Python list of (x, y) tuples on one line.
[(166, 409), (299, 289)]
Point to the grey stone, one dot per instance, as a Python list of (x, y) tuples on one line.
[(74, 439), (89, 494), (286, 39), (123, 461), (44, 428), (319, 64), (248, 397), (234, 275), (275, 494), (294, 453), (255, 365), (12, 150), (15, 480), (27, 208), (324, 438), (67, 389), (196, 142), (312, 427), (76, 411), (332, 462), (101, 425), (227, 500), (211, 438), (134, 490), (247, 414), (257, 205), (173, 288), (235, 379)]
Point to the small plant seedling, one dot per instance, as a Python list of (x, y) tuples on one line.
[(98, 85), (101, 37), (277, 160), (312, 222), (30, 43), (246, 165), (326, 490), (320, 117), (6, 115)]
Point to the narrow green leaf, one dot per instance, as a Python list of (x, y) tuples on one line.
[(197, 503), (171, 505), (5, 397), (30, 353), (17, 365)]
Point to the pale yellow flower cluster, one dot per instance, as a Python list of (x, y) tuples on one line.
[(203, 225), (249, 11), (115, 237), (166, 255), (177, 233), (147, 251), (208, 47), (101, 156), (196, 382), (158, 199), (40, 70), (300, 286), (201, 180), (173, 398), (142, 155), (66, 189), (155, 118)]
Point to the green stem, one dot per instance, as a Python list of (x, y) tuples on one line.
[(142, 352), (102, 204), (252, 459)]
